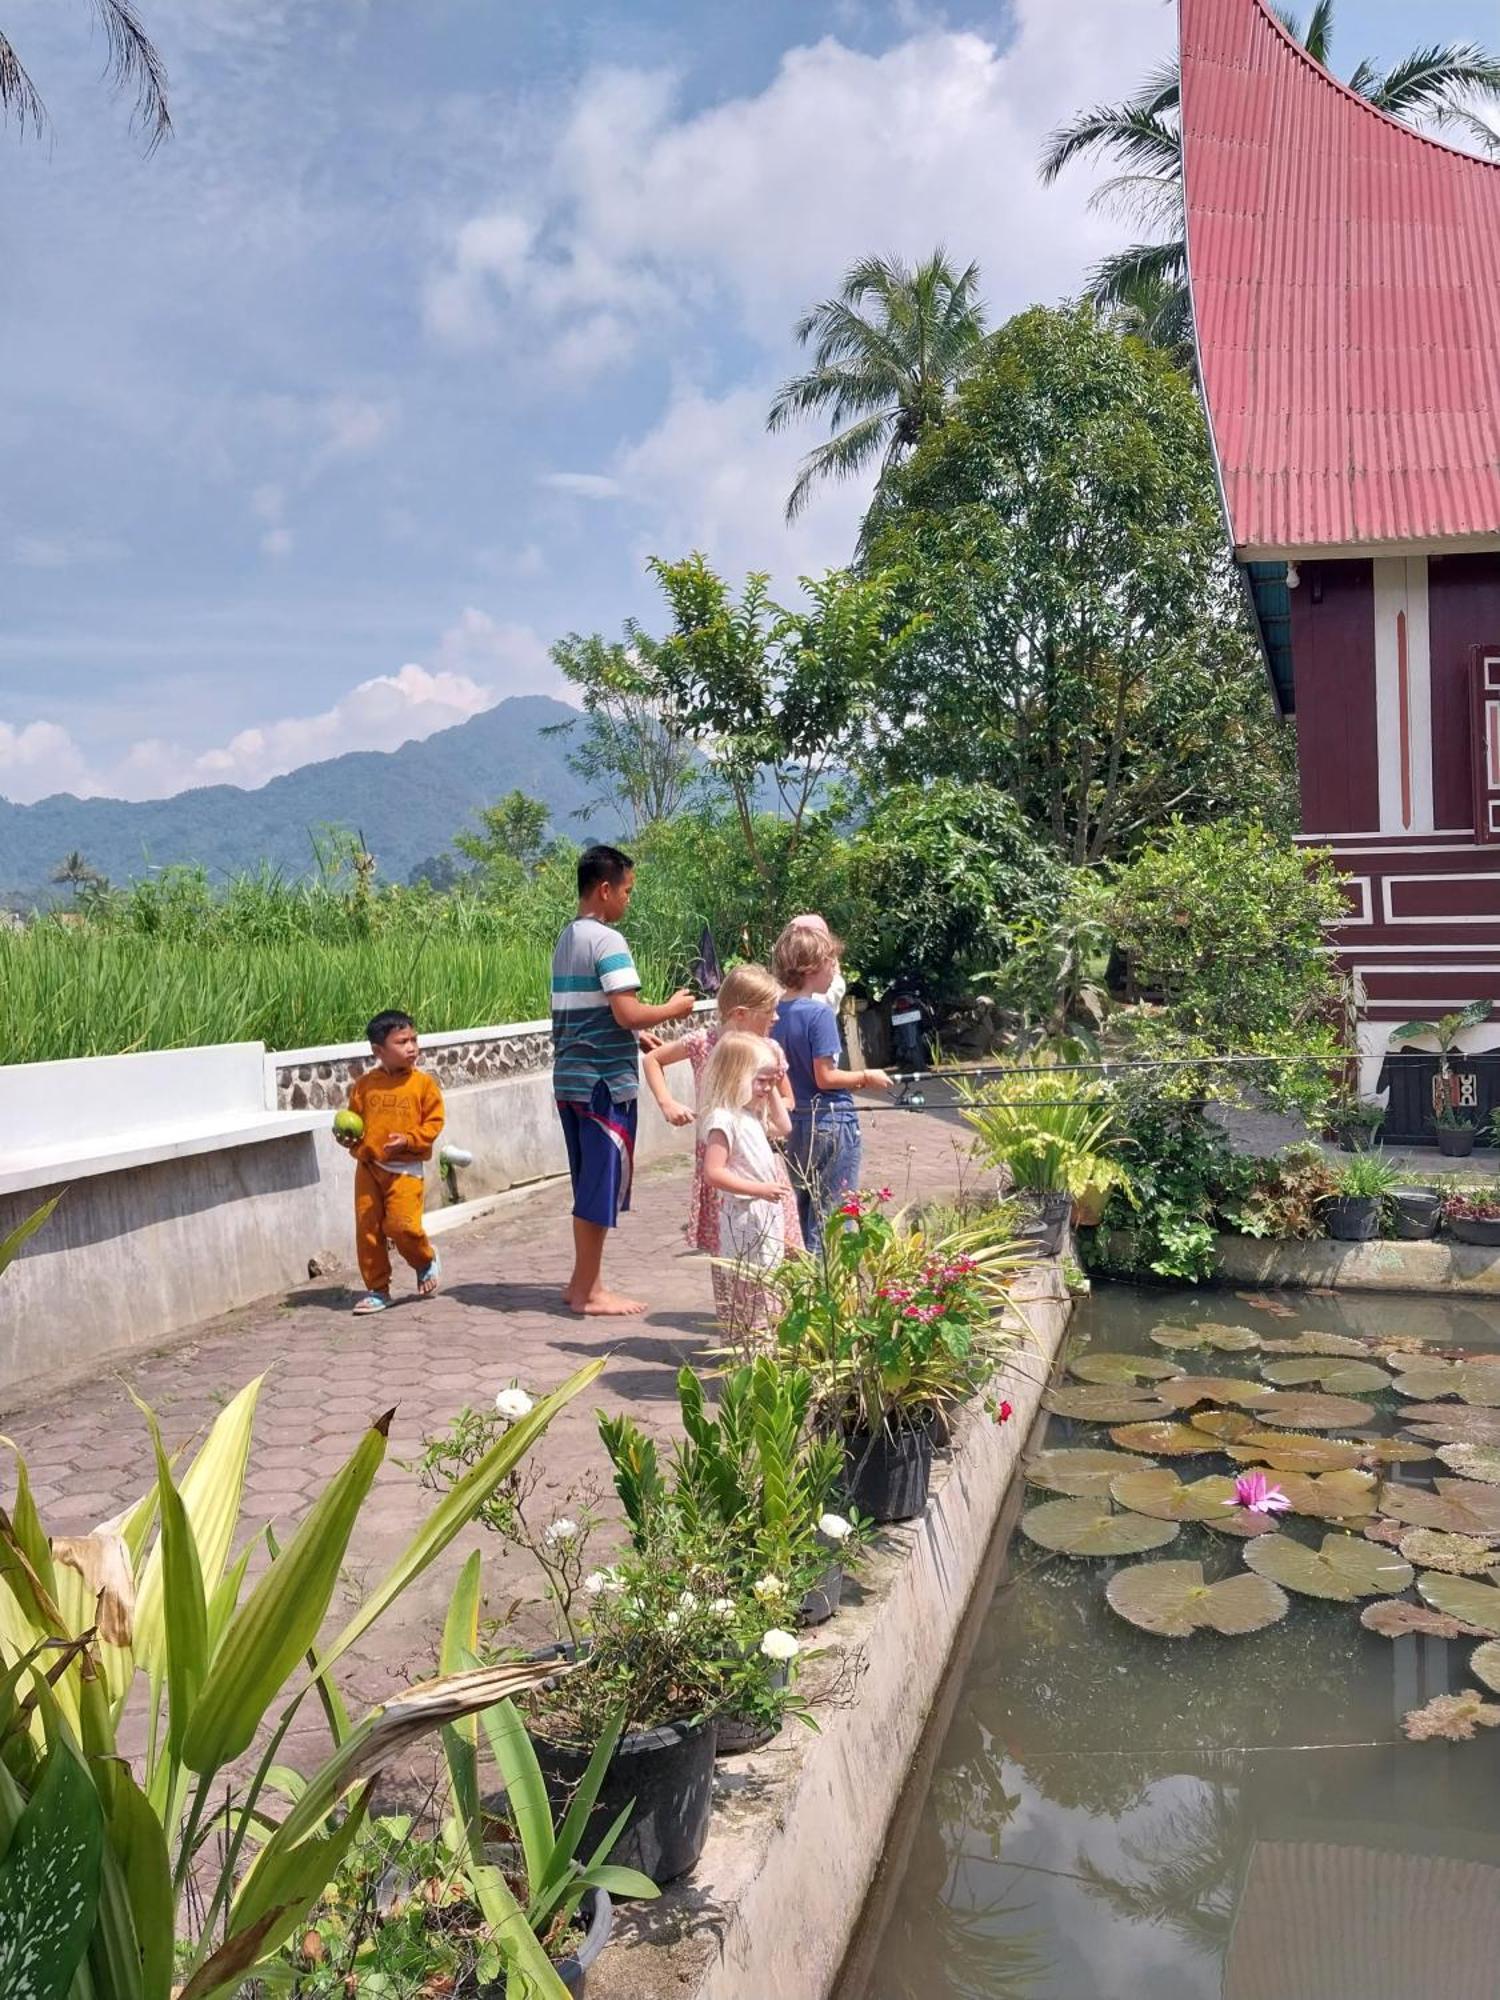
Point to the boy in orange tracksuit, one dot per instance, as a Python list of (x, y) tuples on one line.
[(402, 1109)]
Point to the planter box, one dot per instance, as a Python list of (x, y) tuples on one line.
[(1474, 1229)]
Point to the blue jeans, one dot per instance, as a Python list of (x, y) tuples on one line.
[(823, 1155)]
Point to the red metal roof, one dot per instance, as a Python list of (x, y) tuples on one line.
[(1346, 288)]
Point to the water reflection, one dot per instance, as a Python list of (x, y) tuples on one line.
[(1114, 1816)]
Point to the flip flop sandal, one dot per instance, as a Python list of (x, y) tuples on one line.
[(373, 1302), (429, 1276)]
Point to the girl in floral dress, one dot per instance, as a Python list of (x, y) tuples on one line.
[(740, 1112), (747, 1004)]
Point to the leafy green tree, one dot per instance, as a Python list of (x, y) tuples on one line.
[(78, 872), (132, 63), (512, 841), (885, 356), (1435, 87), (1079, 638), (632, 744)]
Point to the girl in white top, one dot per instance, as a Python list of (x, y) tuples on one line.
[(741, 1111)]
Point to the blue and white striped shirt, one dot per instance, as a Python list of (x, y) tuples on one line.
[(588, 1045)]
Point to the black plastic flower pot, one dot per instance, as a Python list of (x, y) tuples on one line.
[(739, 1734), (1414, 1214), (667, 1772), (596, 1913), (1049, 1216), (887, 1475), (1483, 1229), (820, 1603), (1353, 1218), (1455, 1142)]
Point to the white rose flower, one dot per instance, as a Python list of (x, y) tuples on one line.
[(778, 1645), (513, 1404), (768, 1587), (687, 1603), (603, 1583), (672, 1620), (722, 1607), (834, 1528), (560, 1531)]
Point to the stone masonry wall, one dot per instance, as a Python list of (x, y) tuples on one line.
[(324, 1086)]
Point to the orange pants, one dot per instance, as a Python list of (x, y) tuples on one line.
[(388, 1209)]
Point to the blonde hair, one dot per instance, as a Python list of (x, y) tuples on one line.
[(800, 950), (750, 987), (732, 1068)]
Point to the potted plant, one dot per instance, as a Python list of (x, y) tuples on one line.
[(1473, 1216), (1354, 1123), (896, 1329), (1456, 1122), (1055, 1135), (1414, 1213), (1357, 1204)]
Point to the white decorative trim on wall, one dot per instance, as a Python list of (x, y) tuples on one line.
[(1434, 919), (1403, 694)]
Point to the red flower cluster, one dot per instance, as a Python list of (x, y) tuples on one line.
[(1003, 1413)]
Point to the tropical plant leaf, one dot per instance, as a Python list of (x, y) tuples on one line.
[(1097, 1403), (102, 1560), (1089, 1527), (1307, 1412), (1225, 1425), (1158, 1491), (1076, 1472), (1291, 1453), (1339, 1378), (1331, 1496), (1314, 1342), (1473, 1461), (1484, 1664), (1172, 1600), (49, 1880), (1161, 1437), (1460, 1555), (1466, 1597), (1235, 1389), (1105, 1367), (1345, 1568), (1393, 1618), (11, 1245)]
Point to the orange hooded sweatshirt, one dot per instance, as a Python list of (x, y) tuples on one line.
[(412, 1104)]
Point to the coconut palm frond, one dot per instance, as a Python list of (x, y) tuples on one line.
[(1319, 32), (1136, 135), (1113, 281), (134, 64), (18, 94), (1434, 82), (842, 456)]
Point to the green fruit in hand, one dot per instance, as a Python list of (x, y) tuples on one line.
[(348, 1124)]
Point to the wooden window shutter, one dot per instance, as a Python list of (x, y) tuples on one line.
[(1484, 741)]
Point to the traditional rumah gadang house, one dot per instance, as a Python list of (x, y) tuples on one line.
[(1345, 275)]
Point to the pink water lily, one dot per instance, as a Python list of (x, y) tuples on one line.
[(1255, 1493)]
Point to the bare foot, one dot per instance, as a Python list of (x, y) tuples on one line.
[(608, 1305)]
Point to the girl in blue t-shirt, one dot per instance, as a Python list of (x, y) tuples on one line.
[(823, 1151)]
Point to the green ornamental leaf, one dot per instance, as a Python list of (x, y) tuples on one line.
[(1473, 1461), (1172, 1600), (1465, 1597), (1097, 1403), (1484, 1664), (1169, 1440), (1307, 1412), (1076, 1472), (1113, 1368), (1345, 1568), (1089, 1527), (1158, 1491), (49, 1881), (1339, 1378)]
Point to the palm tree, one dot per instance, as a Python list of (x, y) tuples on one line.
[(132, 63), (1145, 285), (886, 354), (77, 871)]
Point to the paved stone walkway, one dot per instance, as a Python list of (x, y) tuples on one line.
[(497, 1319)]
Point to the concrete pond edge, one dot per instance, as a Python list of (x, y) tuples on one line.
[(800, 1828)]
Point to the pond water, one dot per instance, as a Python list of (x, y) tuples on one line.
[(1113, 1816)]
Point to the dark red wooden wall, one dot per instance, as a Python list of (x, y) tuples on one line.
[(1333, 655), (1463, 610)]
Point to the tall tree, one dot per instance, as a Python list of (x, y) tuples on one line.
[(1081, 641), (131, 63), (1434, 88), (78, 872), (631, 744), (512, 841), (885, 356)]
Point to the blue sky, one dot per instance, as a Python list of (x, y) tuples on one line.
[(433, 321)]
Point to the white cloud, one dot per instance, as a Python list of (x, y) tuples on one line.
[(583, 485), (62, 551), (477, 662)]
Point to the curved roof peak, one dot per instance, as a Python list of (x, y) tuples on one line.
[(1345, 272)]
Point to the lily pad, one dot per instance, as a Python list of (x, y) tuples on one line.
[(1226, 1425), (1453, 1717), (1313, 1342), (1172, 1600), (1331, 1496), (1169, 1440), (1473, 1461), (1345, 1568), (1308, 1412), (1098, 1403), (1090, 1527), (1190, 1389), (1392, 1451), (1104, 1367), (1161, 1494), (1464, 1597), (1224, 1339), (1480, 1501), (1293, 1453), (1393, 1618), (1339, 1378), (1420, 1508), (1459, 1555), (1242, 1524), (1077, 1472), (1428, 1378), (1484, 1665), (1470, 1426), (1392, 1533)]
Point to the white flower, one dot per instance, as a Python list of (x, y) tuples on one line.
[(778, 1645), (672, 1620), (834, 1528), (513, 1404), (560, 1531), (603, 1583), (768, 1587), (722, 1607), (687, 1603)]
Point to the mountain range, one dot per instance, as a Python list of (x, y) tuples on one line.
[(408, 804)]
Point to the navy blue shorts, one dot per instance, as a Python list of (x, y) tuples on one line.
[(600, 1138)]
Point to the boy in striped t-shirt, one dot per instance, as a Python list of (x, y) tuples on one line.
[(596, 1016)]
